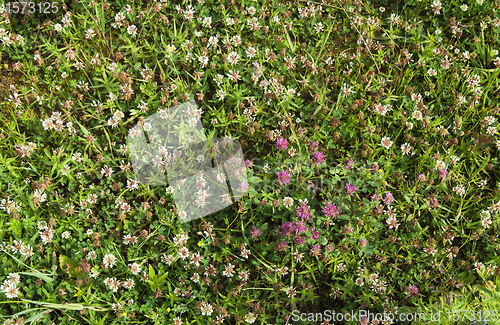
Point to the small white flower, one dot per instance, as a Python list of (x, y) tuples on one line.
[(118, 115), (221, 177), (251, 52), (132, 30), (171, 48), (491, 130), (319, 27), (485, 219), (91, 255), (221, 94), (406, 148), (42, 225), (440, 164), (195, 278), (454, 160), (135, 268), (250, 318), (386, 142), (66, 234), (109, 260), (233, 58), (417, 115), (11, 291), (89, 33), (288, 201), (459, 189), (147, 127), (206, 309)]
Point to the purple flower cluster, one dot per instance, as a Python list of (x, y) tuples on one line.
[(299, 241), (442, 173), (286, 228), (289, 228), (244, 186), (315, 249), (281, 143), (433, 203), (330, 210), (349, 164), (300, 227), (282, 246), (301, 131), (389, 198), (303, 211), (413, 290), (318, 158), (313, 145), (315, 234), (255, 232), (283, 177), (350, 189)]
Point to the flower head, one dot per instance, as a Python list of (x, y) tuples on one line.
[(255, 232), (413, 290), (303, 211), (330, 210), (318, 158), (283, 177), (389, 198), (386, 142), (281, 143), (350, 189), (286, 228)]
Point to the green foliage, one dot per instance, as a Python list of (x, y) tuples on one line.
[(369, 129)]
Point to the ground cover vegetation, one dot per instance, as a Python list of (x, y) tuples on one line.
[(369, 129)]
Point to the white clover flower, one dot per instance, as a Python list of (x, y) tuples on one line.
[(440, 164), (386, 142), (459, 189), (206, 309), (109, 260), (250, 318), (132, 30), (288, 201)]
